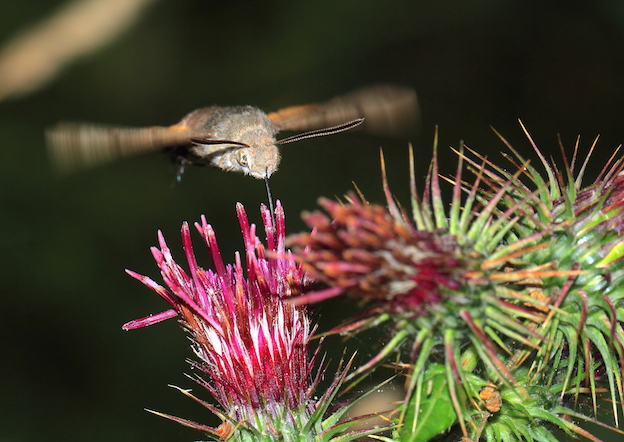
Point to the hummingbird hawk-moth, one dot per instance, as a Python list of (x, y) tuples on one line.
[(234, 138)]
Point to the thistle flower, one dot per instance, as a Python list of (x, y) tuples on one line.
[(251, 343), (508, 303), (362, 250)]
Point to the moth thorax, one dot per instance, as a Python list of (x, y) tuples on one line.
[(244, 124)]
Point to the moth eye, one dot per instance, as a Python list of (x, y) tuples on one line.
[(242, 159)]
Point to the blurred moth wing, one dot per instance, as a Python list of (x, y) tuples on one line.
[(75, 146), (387, 109)]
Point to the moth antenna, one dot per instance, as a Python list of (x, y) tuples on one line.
[(322, 132), (207, 141), (270, 199)]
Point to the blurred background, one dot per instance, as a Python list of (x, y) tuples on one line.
[(68, 372)]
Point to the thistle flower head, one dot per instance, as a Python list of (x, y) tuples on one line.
[(372, 256), (251, 343)]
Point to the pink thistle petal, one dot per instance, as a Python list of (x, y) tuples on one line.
[(187, 245), (153, 285), (149, 320), (210, 240), (317, 296)]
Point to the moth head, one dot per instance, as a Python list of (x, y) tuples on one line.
[(259, 162)]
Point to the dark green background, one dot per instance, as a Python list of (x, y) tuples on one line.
[(67, 371)]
